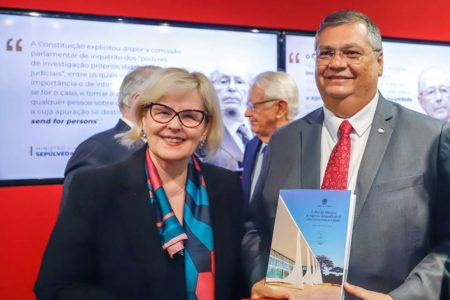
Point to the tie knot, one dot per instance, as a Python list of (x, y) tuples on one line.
[(345, 128), (264, 149), (241, 129), (242, 132)]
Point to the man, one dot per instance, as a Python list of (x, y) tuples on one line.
[(103, 148), (399, 172), (273, 102), (232, 90), (434, 93)]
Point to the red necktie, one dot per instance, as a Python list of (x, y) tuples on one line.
[(336, 173)]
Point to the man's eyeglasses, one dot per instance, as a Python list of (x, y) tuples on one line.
[(349, 56), (252, 106), (164, 114)]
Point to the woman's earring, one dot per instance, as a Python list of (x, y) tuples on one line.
[(143, 134), (201, 150)]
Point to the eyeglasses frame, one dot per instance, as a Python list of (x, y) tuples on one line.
[(252, 106), (343, 58), (177, 114)]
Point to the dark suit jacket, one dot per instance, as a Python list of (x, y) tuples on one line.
[(105, 244), (250, 155), (98, 150), (401, 232)]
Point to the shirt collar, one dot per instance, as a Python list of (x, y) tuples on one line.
[(263, 145), (128, 122), (361, 121)]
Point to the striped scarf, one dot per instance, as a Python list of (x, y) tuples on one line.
[(194, 240)]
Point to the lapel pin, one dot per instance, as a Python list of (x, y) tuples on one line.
[(380, 130)]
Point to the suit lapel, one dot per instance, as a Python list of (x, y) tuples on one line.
[(250, 156), (253, 149), (232, 148), (138, 215), (310, 138), (218, 204), (379, 137)]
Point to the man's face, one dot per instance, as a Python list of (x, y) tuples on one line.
[(434, 94), (232, 91), (343, 78), (263, 118)]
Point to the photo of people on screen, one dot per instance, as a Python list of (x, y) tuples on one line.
[(434, 93), (232, 90)]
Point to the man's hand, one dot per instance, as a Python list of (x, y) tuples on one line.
[(364, 294)]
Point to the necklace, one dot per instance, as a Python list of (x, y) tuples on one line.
[(178, 191)]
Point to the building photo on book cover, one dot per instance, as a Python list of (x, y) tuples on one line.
[(311, 241)]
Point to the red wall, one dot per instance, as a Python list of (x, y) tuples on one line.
[(396, 18), (28, 213)]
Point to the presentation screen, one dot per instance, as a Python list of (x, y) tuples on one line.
[(415, 74), (61, 75)]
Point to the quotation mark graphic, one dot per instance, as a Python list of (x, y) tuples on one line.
[(10, 45), (296, 57)]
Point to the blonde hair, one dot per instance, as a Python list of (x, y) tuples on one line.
[(171, 80)]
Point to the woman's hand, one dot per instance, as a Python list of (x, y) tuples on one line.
[(261, 290)]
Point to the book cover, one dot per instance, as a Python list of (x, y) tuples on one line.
[(311, 241)]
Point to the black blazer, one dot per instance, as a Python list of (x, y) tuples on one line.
[(98, 150), (105, 244)]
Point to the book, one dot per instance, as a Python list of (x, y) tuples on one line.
[(311, 241)]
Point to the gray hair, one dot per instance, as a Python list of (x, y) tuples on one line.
[(428, 71), (133, 82), (279, 85), (352, 17)]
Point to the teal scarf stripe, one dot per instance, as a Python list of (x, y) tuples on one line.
[(202, 231), (198, 210), (164, 205), (191, 281), (170, 230), (149, 186), (199, 246), (199, 196)]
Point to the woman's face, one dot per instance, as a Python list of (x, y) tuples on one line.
[(172, 141)]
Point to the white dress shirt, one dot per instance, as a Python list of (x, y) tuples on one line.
[(257, 168), (128, 122), (361, 123)]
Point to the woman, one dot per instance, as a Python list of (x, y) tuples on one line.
[(160, 225)]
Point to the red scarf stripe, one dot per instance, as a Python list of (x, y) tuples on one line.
[(196, 164), (154, 179)]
